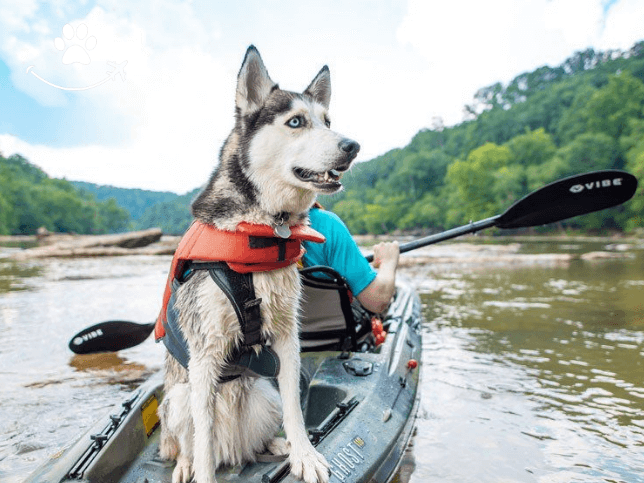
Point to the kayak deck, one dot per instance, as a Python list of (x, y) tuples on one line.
[(359, 410)]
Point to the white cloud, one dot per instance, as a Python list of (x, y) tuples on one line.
[(170, 101), (579, 22), (624, 25), (469, 45)]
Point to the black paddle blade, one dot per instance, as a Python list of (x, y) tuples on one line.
[(568, 197), (110, 336)]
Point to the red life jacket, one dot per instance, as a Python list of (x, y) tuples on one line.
[(251, 248)]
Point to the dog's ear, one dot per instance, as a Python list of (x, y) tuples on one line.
[(253, 82), (320, 87)]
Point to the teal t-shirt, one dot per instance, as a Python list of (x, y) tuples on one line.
[(339, 252)]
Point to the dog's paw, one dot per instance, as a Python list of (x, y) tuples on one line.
[(309, 465), (279, 446), (183, 471)]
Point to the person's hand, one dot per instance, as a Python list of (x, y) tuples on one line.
[(386, 253)]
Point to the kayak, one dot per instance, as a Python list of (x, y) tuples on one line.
[(359, 407)]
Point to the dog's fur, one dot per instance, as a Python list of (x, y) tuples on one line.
[(280, 153)]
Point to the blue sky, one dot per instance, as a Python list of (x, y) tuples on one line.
[(158, 123)]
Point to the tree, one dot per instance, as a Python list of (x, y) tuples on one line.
[(30, 199), (590, 152), (424, 213), (474, 179), (419, 172), (610, 108), (532, 148), (633, 145), (351, 211)]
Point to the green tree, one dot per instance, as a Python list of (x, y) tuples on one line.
[(610, 108), (574, 120), (473, 180), (590, 152), (633, 145), (114, 218), (351, 211), (532, 148), (539, 175), (636, 205), (29, 199), (419, 172), (383, 215), (424, 213)]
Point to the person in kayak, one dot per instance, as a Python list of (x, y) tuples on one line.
[(373, 289)]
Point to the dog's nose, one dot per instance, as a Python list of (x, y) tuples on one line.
[(350, 147)]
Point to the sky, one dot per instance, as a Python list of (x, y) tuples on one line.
[(140, 94)]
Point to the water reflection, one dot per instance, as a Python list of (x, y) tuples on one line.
[(15, 276), (49, 396), (535, 375)]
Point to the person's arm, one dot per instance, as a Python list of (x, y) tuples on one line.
[(377, 295)]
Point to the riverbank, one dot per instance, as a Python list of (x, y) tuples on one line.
[(468, 250), (54, 245)]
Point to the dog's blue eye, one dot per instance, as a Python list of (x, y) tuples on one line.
[(295, 122)]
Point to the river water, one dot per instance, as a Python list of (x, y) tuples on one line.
[(532, 362)]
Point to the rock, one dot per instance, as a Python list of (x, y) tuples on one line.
[(593, 256), (67, 246), (42, 232)]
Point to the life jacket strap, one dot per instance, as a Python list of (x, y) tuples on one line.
[(240, 290)]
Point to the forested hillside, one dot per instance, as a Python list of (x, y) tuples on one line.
[(173, 216), (135, 201), (30, 199), (584, 115)]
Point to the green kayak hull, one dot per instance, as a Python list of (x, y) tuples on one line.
[(359, 410)]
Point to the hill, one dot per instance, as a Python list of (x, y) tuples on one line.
[(172, 216), (584, 115), (135, 201), (29, 199)]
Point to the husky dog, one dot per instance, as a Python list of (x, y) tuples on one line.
[(279, 155)]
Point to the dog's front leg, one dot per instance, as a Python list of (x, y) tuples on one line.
[(203, 373), (306, 462)]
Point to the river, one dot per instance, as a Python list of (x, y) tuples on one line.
[(532, 362)]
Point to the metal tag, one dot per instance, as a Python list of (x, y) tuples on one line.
[(282, 231)]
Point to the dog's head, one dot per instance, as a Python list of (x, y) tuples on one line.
[(286, 136)]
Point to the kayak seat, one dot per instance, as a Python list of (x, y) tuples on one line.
[(330, 320)]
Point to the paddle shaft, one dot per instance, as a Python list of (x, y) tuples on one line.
[(446, 235), (560, 200)]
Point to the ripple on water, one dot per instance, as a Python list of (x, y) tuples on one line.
[(529, 376)]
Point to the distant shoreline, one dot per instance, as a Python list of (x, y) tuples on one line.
[(369, 240)]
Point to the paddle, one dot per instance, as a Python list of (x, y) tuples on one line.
[(574, 196), (110, 336), (562, 199)]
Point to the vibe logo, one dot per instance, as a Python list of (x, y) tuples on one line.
[(89, 336), (605, 183)]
